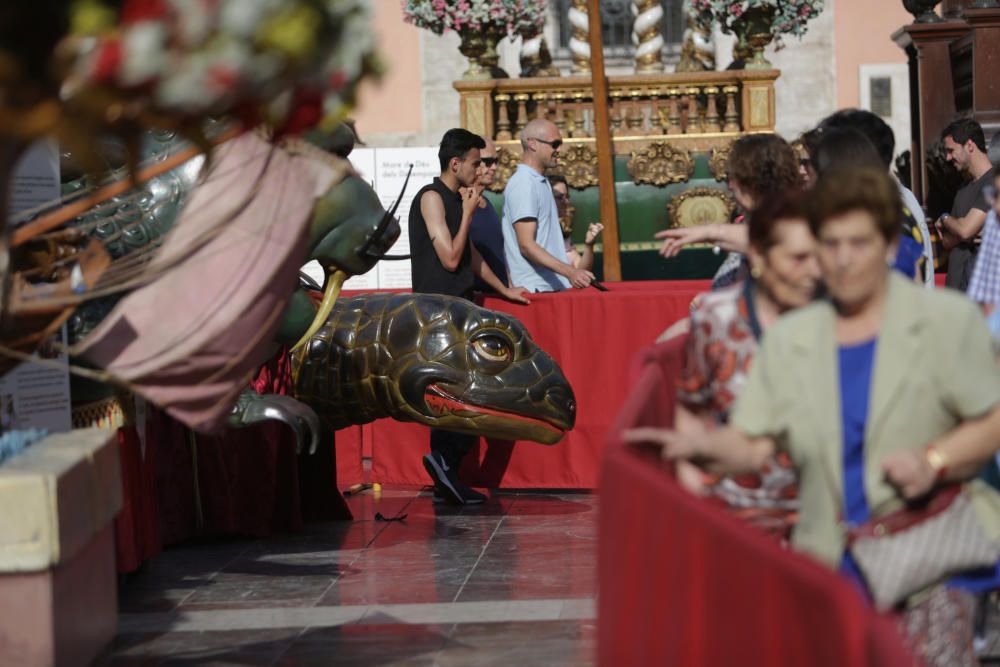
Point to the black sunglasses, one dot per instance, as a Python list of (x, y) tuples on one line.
[(489, 161), (555, 144)]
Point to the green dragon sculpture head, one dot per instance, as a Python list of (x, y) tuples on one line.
[(350, 230), (437, 360)]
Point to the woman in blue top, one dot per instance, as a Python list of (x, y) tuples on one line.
[(878, 394)]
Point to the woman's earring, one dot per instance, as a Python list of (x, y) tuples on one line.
[(756, 272)]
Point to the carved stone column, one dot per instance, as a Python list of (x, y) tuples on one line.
[(731, 118), (711, 123), (579, 44), (646, 30), (673, 124), (503, 120)]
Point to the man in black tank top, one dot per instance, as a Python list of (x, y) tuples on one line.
[(445, 262)]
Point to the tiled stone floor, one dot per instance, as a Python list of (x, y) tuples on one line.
[(508, 583)]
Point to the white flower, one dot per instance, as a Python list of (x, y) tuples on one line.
[(241, 17), (204, 57), (143, 53), (194, 22)]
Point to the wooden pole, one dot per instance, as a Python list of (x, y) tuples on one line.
[(602, 140)]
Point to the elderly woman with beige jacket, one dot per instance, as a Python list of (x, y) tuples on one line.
[(879, 394)]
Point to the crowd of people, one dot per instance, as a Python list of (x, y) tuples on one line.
[(826, 383), (828, 389)]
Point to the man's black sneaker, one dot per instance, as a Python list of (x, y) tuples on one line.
[(470, 496), (446, 484)]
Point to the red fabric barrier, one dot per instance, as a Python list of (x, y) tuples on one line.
[(682, 583), (350, 462), (137, 526), (593, 336), (245, 481)]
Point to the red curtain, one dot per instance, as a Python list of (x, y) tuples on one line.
[(245, 481), (137, 526), (593, 336)]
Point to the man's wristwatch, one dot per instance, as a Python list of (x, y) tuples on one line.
[(937, 461)]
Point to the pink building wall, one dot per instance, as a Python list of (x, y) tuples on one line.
[(863, 30), (395, 104)]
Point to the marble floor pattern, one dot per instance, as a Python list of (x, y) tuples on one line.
[(510, 582)]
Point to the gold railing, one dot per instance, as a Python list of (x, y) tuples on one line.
[(688, 106), (658, 120)]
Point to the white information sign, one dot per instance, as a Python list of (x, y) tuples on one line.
[(36, 177), (391, 166), (385, 170), (36, 395), (363, 161)]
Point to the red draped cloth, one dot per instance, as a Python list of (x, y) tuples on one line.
[(593, 336), (137, 526), (683, 583), (246, 481)]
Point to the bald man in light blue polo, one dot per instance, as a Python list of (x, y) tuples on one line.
[(532, 238)]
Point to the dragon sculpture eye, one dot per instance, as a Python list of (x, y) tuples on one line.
[(493, 348)]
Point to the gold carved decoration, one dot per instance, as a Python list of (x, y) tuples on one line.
[(659, 163), (700, 206), (578, 165), (718, 162), (507, 161)]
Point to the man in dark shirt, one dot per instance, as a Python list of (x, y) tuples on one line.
[(486, 234), (444, 262), (965, 146)]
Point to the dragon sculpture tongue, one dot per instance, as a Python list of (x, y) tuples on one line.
[(442, 404), (436, 360)]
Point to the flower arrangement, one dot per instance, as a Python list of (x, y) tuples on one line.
[(285, 60), (511, 17), (790, 16)]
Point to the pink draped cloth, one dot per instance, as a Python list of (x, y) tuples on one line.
[(191, 340)]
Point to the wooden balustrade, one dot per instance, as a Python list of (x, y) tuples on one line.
[(700, 108), (658, 120)]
